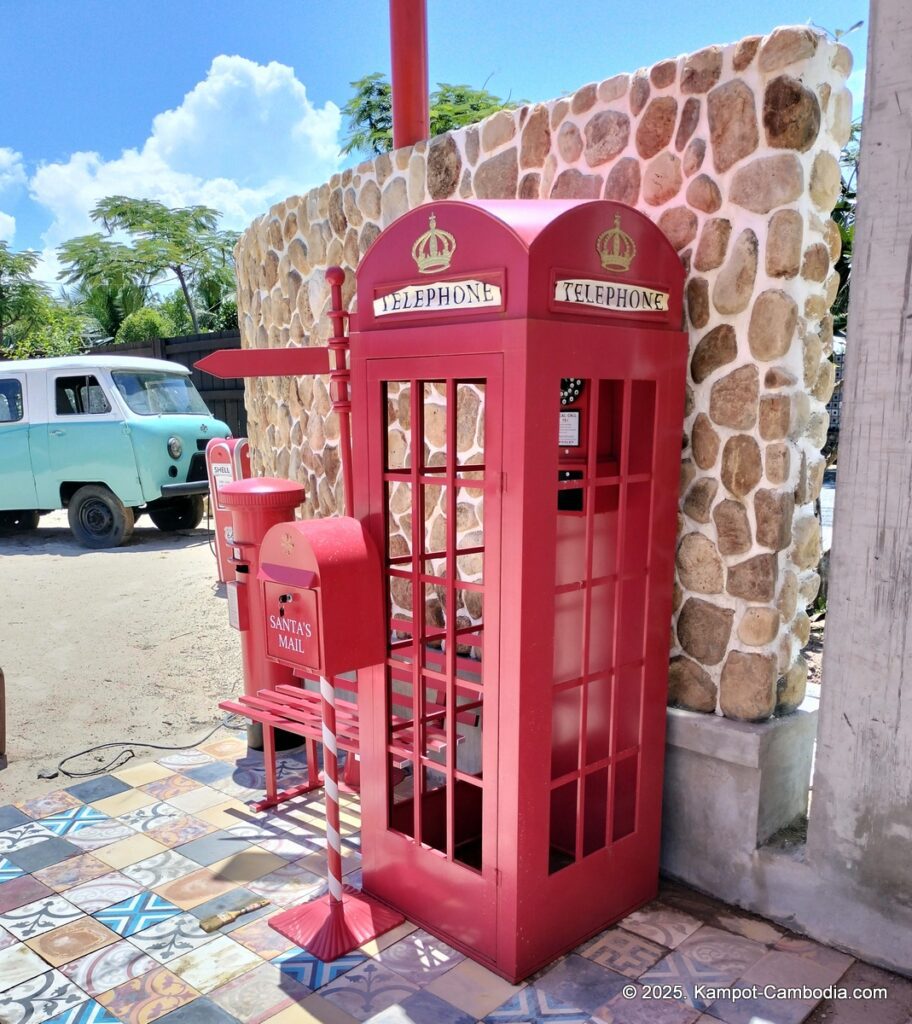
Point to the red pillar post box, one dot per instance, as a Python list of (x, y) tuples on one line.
[(256, 505), (518, 385), (227, 460)]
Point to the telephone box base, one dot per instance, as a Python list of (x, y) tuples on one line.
[(329, 929)]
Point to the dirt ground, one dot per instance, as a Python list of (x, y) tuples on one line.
[(127, 644)]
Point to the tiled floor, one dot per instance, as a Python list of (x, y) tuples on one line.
[(104, 885)]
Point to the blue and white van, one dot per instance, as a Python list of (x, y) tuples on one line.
[(105, 437)]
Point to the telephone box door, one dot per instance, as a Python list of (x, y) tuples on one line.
[(434, 497)]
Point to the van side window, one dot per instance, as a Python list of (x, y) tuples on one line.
[(10, 401), (80, 396)]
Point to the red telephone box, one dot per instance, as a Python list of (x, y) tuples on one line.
[(518, 386)]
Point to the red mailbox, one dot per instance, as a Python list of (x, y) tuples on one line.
[(518, 386), (227, 460)]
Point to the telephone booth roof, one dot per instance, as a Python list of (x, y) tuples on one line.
[(595, 260)]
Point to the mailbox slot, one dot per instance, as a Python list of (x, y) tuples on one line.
[(292, 626)]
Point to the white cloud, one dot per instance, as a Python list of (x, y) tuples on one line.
[(7, 227), (12, 170), (242, 139)]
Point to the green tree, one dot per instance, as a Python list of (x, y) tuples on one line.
[(144, 325), (370, 112), (844, 216), (21, 298), (57, 328), (185, 242), (109, 303)]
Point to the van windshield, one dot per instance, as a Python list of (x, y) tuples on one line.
[(153, 393)]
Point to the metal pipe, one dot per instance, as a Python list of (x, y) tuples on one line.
[(409, 58)]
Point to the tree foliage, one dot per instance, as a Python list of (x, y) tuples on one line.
[(22, 300), (370, 112), (185, 242), (144, 325), (844, 216)]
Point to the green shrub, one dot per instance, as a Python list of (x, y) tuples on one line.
[(226, 318), (144, 325)]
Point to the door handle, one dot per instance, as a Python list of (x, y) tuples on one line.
[(58, 433)]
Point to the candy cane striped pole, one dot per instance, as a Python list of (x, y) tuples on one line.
[(331, 790)]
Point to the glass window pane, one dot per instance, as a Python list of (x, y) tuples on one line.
[(562, 839), (470, 410), (568, 635), (565, 731), (642, 426), (598, 719), (625, 797), (435, 423), (595, 822), (398, 425), (601, 628)]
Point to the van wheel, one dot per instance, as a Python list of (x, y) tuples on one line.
[(98, 517), (23, 520), (180, 514)]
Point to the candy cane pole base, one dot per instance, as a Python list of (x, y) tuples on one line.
[(328, 929)]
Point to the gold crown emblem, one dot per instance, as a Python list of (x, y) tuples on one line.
[(615, 247), (434, 249)]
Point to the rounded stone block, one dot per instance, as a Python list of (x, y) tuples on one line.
[(623, 184), (786, 46), (444, 167), (656, 126), (733, 130), (772, 324), (701, 70), (733, 399), (703, 630), (704, 442), (754, 579), (826, 181), (806, 548), (690, 686), (639, 93), (497, 177), (733, 530), (536, 138), (699, 565), (747, 690), (569, 142), (791, 688), (791, 114), (679, 225), (698, 301), (690, 118), (497, 130), (663, 74), (713, 350), (735, 282), (703, 194), (713, 244), (768, 182), (607, 134), (694, 156), (745, 52), (758, 626), (698, 503), (741, 468), (773, 513), (662, 179), (573, 184), (783, 243)]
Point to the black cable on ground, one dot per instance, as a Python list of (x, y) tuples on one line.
[(228, 722)]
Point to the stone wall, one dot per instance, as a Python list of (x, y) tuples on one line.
[(733, 152)]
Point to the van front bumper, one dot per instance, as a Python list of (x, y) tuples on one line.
[(179, 490)]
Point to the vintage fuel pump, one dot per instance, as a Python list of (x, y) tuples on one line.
[(227, 460), (522, 493)]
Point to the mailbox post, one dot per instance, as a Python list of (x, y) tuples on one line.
[(527, 355)]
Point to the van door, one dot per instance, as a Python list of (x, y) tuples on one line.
[(17, 481), (88, 440)]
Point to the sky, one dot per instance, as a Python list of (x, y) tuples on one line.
[(237, 103)]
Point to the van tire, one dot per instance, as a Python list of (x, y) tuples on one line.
[(180, 514), (26, 519), (98, 517)]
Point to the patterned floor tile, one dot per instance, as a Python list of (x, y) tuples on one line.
[(137, 913), (367, 990), (259, 994), (836, 963), (147, 998), (7, 940), (313, 1010), (473, 988), (214, 847), (41, 916), (121, 803), (638, 1009), (170, 786), (420, 958), (306, 969), (710, 957), (206, 774), (19, 891), (20, 836), (662, 924), (103, 892), (72, 871), (531, 1006), (90, 1012), (109, 967), (290, 848), (214, 964), (43, 855), (39, 999), (624, 952), (390, 938), (182, 759), (17, 964), (97, 789), (229, 746), (580, 983), (895, 1009), (177, 831), (422, 1008), (49, 803), (73, 819), (128, 851), (248, 866), (287, 885), (9, 871), (263, 940), (11, 816), (101, 834), (153, 816), (200, 1011), (140, 774), (163, 867), (73, 940), (197, 887), (316, 861), (233, 900), (170, 939), (199, 799), (229, 813)]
